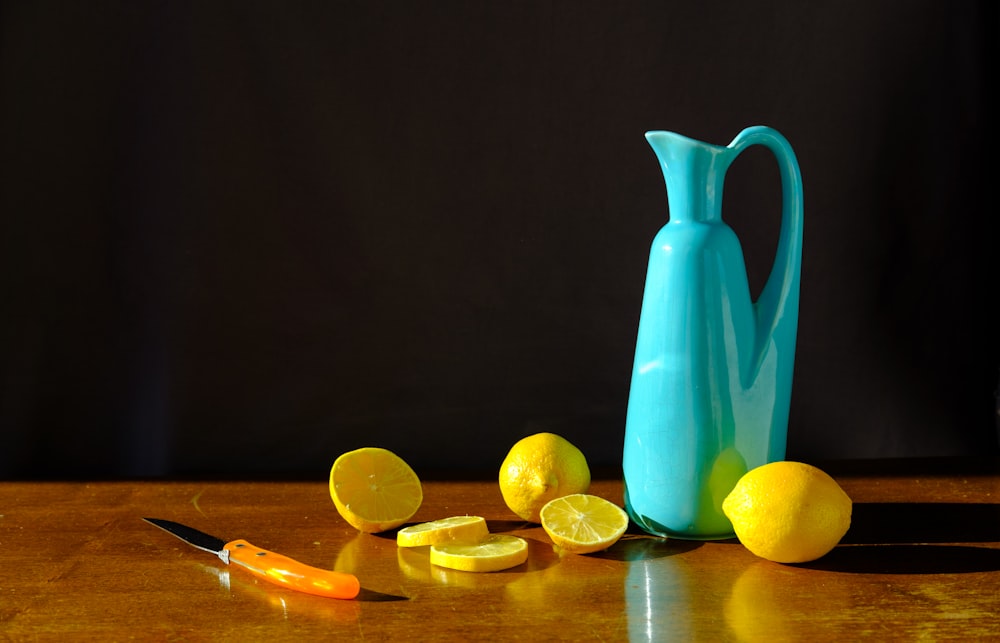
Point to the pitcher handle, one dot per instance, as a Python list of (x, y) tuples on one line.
[(782, 286)]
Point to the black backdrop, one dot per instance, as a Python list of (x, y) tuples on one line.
[(241, 238)]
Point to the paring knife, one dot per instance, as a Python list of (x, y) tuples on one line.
[(268, 565)]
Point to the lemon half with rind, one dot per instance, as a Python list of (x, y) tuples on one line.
[(582, 523), (374, 489)]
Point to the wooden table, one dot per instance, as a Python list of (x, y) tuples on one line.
[(921, 562)]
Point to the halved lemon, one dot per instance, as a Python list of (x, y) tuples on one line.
[(582, 524), (492, 554), (462, 529), (374, 489)]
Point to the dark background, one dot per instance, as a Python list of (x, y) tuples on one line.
[(242, 238)]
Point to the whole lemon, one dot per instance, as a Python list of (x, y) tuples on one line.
[(540, 468), (788, 512)]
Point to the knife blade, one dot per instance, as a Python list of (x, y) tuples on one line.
[(267, 565)]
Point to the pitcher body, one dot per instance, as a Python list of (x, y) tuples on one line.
[(711, 380)]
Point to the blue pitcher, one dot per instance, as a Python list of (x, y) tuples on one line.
[(712, 378)]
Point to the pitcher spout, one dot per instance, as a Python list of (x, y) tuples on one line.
[(694, 172)]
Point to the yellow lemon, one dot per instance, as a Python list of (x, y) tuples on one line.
[(582, 524), (540, 468), (492, 554), (374, 489), (467, 529), (788, 512)]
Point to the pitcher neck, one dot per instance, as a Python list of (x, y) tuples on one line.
[(694, 174)]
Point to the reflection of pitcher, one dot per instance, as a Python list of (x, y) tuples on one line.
[(712, 377)]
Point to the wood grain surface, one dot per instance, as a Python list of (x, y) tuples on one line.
[(921, 562)]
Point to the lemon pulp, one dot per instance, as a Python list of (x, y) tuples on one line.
[(582, 523), (374, 489), (492, 554), (466, 529)]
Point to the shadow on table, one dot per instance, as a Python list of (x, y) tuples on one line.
[(640, 546), (371, 596), (908, 559), (879, 523), (903, 538)]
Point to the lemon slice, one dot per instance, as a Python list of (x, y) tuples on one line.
[(463, 529), (374, 489), (582, 524), (493, 553)]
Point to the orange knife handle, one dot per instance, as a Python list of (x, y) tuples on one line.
[(290, 573)]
